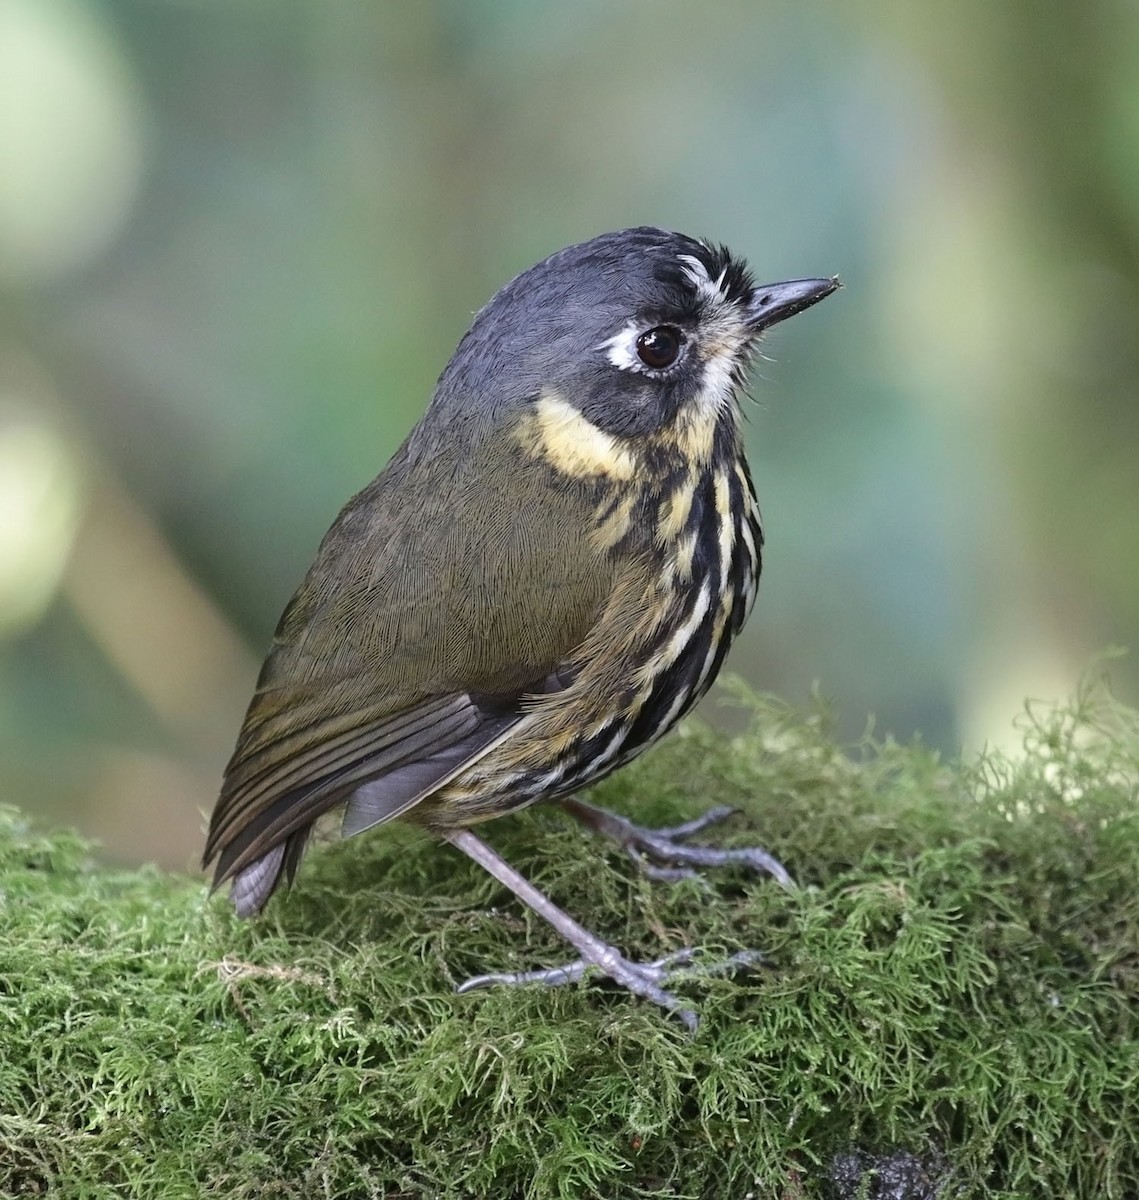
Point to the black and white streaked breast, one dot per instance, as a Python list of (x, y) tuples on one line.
[(708, 587)]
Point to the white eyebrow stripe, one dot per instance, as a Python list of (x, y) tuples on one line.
[(695, 269), (697, 273)]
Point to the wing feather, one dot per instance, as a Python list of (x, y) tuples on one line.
[(406, 651), (279, 803)]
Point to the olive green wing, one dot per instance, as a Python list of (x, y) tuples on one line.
[(443, 593)]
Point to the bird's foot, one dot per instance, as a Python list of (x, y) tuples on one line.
[(662, 854), (642, 979)]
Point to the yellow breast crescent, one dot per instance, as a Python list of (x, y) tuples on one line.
[(571, 443)]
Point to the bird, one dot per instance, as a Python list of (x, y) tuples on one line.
[(543, 580)]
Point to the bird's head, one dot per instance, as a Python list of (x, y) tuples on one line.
[(634, 334)]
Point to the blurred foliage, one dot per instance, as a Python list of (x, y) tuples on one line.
[(237, 243), (948, 999)]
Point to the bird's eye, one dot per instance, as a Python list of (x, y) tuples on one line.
[(658, 348)]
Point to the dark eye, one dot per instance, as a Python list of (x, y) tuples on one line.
[(658, 348)]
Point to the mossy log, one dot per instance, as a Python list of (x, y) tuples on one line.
[(950, 1005)]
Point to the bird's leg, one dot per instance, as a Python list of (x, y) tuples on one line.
[(666, 845), (643, 979)]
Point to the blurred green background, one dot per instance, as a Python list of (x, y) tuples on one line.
[(238, 243)]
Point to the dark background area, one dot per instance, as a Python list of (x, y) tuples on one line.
[(237, 247)]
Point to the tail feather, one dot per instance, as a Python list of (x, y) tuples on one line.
[(254, 884)]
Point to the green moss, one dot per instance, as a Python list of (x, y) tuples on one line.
[(955, 981)]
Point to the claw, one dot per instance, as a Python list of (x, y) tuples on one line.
[(550, 976), (642, 978), (665, 846), (680, 833)]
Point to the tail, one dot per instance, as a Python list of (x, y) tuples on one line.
[(253, 885)]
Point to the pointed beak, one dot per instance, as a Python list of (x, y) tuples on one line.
[(775, 302)]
